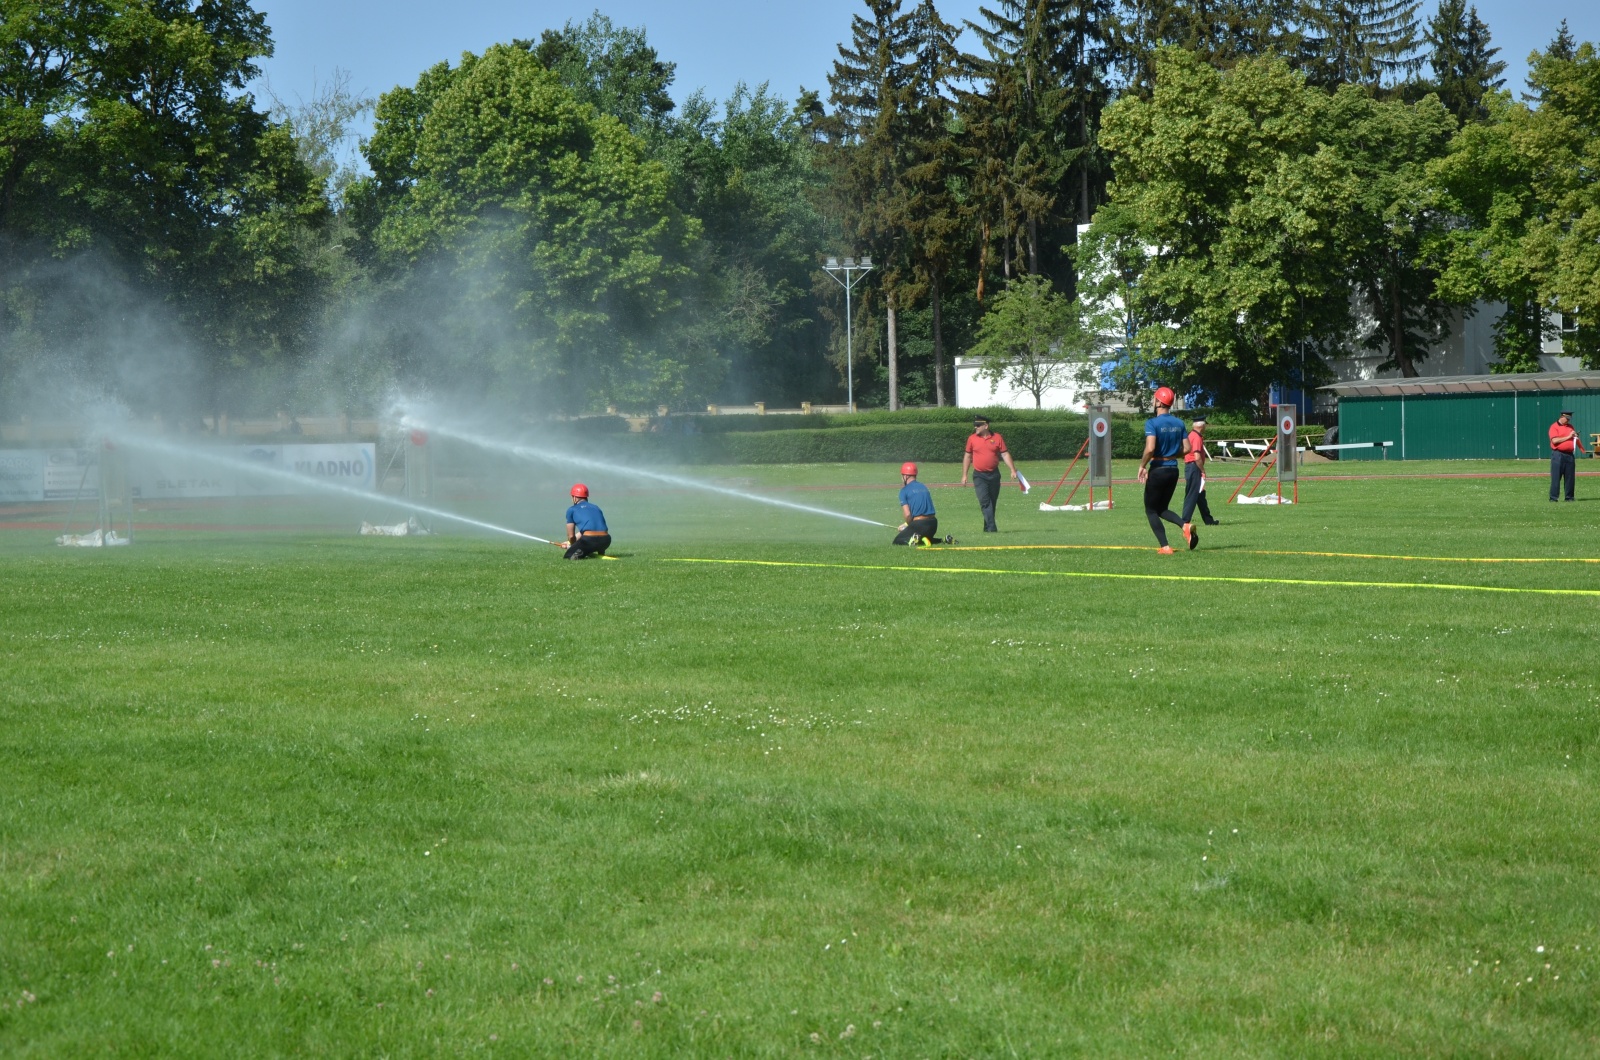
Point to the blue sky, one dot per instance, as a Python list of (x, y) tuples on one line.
[(715, 43)]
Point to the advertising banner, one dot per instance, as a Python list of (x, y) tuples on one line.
[(33, 475), (230, 475), (21, 475), (70, 474)]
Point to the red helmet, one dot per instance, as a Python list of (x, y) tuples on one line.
[(908, 468), (581, 491), (1165, 396)]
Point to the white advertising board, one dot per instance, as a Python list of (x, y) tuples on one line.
[(21, 475), (33, 475), (170, 476)]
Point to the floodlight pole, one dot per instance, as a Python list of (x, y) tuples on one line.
[(853, 271)]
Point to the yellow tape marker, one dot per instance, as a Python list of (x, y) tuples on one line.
[(1146, 577), (1278, 552)]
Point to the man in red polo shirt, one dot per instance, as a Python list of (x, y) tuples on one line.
[(1564, 447), (985, 450)]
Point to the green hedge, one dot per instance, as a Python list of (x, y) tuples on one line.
[(879, 443)]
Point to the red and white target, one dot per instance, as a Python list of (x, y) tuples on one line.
[(1286, 425), (1100, 427)]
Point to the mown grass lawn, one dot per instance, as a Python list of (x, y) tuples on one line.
[(300, 792)]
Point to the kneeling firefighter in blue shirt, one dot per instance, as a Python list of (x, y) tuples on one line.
[(916, 507), (587, 534)]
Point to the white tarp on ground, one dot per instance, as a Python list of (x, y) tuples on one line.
[(94, 540), (1266, 498), (1097, 506), (409, 528)]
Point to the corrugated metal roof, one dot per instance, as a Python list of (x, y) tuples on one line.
[(1467, 384)]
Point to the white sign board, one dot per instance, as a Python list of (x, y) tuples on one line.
[(21, 475), (34, 475), (161, 475)]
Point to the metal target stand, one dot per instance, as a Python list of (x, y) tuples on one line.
[(1283, 454), (1097, 472)]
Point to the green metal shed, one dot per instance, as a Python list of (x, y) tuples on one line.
[(1464, 417)]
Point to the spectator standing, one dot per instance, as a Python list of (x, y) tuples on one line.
[(1564, 448), (985, 450), (1194, 478)]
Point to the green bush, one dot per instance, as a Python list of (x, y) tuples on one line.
[(875, 417), (874, 443)]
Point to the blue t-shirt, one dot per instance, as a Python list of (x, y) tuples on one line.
[(586, 516), (916, 496), (1169, 432)]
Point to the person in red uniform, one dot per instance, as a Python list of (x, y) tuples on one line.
[(985, 450), (1194, 477), (1564, 449)]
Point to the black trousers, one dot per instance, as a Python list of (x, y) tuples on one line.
[(1193, 495), (1563, 468), (987, 485), (583, 546), (1159, 485), (918, 526)]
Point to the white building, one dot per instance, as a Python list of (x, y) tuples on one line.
[(973, 392)]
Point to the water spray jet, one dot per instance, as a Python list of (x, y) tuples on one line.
[(302, 481), (527, 452)]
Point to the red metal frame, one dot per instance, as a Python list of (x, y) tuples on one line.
[(1265, 465), (1082, 449)]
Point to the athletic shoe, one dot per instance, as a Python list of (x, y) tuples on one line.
[(1165, 550), (950, 539), (1191, 535), (923, 542), (1213, 522)]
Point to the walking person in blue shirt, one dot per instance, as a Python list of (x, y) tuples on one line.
[(1165, 443), (916, 507), (587, 533)]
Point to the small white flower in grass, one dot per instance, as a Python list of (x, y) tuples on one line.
[(1536, 949)]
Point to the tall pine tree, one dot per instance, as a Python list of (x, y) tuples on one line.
[(1361, 42), (1464, 66), (863, 146), (927, 208)]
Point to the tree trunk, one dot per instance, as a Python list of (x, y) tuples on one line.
[(1083, 165), (1033, 246), (894, 350), (1005, 243), (938, 339), (1397, 337), (983, 260)]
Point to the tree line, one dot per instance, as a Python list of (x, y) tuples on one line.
[(1213, 195)]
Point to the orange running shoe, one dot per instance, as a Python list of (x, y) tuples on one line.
[(1165, 550), (1191, 535)]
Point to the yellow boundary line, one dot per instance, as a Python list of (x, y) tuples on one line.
[(1279, 552), (1143, 577)]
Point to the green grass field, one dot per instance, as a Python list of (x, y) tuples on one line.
[(268, 788)]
